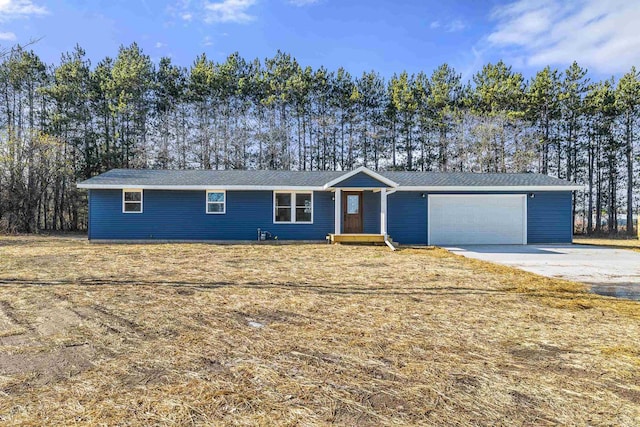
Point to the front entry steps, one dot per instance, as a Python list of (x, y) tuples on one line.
[(361, 238)]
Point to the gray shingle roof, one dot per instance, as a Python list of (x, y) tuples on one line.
[(454, 179), (150, 177), (211, 177)]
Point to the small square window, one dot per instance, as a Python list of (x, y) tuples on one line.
[(132, 201), (216, 201)]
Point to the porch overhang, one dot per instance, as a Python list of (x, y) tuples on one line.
[(338, 208)]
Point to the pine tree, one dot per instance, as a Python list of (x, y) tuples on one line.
[(543, 109), (628, 104), (445, 89)]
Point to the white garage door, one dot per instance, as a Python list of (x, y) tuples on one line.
[(482, 219)]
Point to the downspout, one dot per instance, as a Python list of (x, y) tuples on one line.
[(388, 242), (386, 235)]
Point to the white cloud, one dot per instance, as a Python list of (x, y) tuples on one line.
[(601, 35), (207, 41), (228, 11), (11, 9), (450, 27), (8, 36), (303, 2), (181, 9), (160, 45), (455, 25)]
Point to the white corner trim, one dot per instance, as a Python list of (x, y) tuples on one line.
[(206, 202), (428, 219), (525, 219), (364, 170), (383, 212), (337, 211)]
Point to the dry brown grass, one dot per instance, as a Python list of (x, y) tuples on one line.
[(624, 243), (162, 334)]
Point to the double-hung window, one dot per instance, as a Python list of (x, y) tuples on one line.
[(293, 207), (131, 201), (216, 202)]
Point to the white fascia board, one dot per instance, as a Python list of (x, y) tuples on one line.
[(324, 188), (200, 187), (374, 189), (364, 170), (493, 188)]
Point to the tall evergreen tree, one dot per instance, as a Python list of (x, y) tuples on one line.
[(498, 98), (445, 90), (628, 104), (543, 108), (71, 120)]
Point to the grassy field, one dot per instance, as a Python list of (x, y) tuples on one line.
[(624, 243), (303, 335)]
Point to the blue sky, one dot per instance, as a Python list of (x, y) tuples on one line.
[(386, 36)]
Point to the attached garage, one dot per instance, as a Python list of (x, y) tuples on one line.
[(468, 219)]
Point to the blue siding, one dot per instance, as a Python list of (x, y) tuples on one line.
[(361, 180), (407, 217), (371, 212), (181, 215), (549, 217)]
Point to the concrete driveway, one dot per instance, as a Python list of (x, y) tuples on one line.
[(609, 271)]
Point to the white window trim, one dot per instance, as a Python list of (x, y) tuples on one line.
[(293, 207), (133, 190), (206, 202)]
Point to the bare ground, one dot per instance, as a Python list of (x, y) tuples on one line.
[(303, 335)]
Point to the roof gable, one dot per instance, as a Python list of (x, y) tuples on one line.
[(361, 180), (361, 177)]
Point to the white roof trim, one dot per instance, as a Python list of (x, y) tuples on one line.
[(202, 187), (364, 170), (473, 188), (443, 188)]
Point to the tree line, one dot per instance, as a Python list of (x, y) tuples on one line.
[(66, 122)]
